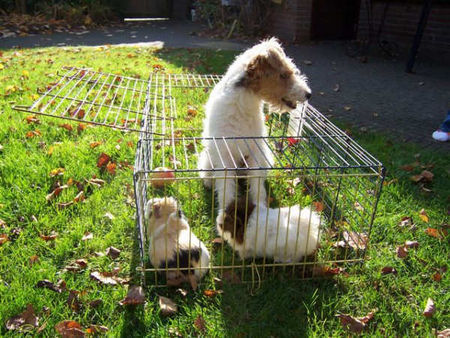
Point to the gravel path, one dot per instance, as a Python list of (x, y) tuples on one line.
[(377, 95)]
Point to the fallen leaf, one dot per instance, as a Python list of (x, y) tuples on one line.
[(23, 322), (318, 206), (443, 334), (73, 302), (192, 112), (93, 329), (135, 296), (81, 262), (423, 216), (100, 277), (96, 181), (111, 168), (46, 284), (87, 236), (427, 175), (33, 259), (50, 237), (401, 251), (436, 277), (57, 172), (182, 292), (292, 141), (416, 178), (347, 108), (94, 144), (412, 244), (405, 221), (103, 160), (56, 192), (212, 293), (66, 126), (112, 252), (69, 329), (32, 119), (167, 306), (430, 308), (355, 240), (407, 167), (200, 323), (81, 126), (355, 325), (79, 197), (387, 270), (436, 233), (3, 239), (62, 205)]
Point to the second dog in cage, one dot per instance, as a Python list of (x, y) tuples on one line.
[(284, 234), (173, 245), (234, 109)]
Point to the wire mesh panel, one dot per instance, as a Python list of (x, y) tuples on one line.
[(313, 210), (84, 95)]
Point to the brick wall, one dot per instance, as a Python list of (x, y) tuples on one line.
[(291, 20), (401, 24)]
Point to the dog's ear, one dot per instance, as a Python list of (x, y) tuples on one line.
[(265, 62)]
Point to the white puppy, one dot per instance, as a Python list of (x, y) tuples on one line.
[(263, 73), (172, 243), (284, 234)]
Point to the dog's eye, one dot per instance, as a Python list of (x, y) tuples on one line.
[(284, 76)]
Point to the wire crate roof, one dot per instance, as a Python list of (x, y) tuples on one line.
[(112, 100)]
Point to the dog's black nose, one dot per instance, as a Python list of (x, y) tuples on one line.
[(308, 96)]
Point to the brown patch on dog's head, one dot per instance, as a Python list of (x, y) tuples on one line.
[(158, 210), (237, 216), (274, 77)]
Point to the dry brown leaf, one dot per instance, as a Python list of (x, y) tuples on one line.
[(103, 160), (192, 112), (3, 239), (436, 277), (94, 144), (424, 216), (26, 321), (355, 325), (33, 133), (387, 270), (56, 192), (63, 205), (430, 308), (433, 233), (212, 293), (50, 237), (79, 197), (167, 306), (111, 168), (69, 329), (32, 119), (427, 175), (355, 239), (405, 221), (318, 206), (407, 167), (87, 236), (443, 334), (93, 329), (401, 251), (416, 178), (112, 252), (135, 296), (33, 259), (100, 277), (182, 292), (46, 284), (66, 126), (412, 244), (81, 262), (200, 324), (73, 302)]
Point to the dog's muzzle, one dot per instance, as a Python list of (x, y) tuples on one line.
[(289, 103)]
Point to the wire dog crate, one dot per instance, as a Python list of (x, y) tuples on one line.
[(313, 166)]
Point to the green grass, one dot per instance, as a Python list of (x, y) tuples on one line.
[(280, 307)]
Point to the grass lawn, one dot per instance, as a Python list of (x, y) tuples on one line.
[(30, 151)]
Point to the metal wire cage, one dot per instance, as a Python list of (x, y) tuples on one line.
[(321, 187), (314, 170)]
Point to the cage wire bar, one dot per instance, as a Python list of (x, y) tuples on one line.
[(315, 165)]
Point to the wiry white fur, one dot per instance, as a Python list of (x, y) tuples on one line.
[(237, 111), (170, 233), (284, 234)]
